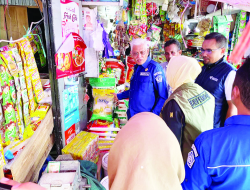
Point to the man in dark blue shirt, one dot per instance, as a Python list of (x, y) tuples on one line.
[(220, 157), (217, 76), (148, 87)]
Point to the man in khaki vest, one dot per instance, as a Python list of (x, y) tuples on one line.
[(190, 109)]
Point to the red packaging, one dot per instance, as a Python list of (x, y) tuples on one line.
[(112, 63), (70, 58), (130, 68)]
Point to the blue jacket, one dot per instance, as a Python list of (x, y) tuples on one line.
[(212, 78), (220, 158), (148, 89)]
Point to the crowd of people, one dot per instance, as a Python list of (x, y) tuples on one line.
[(182, 114), (207, 110)]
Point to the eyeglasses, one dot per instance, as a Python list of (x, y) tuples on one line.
[(140, 52), (209, 51)]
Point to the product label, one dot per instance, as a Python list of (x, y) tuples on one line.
[(69, 17)]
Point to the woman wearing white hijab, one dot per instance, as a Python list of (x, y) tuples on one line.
[(190, 109), (145, 156)]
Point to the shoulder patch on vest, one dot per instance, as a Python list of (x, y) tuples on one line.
[(190, 159), (158, 78), (199, 99), (195, 150)]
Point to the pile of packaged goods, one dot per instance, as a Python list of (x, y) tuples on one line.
[(22, 104), (83, 147), (102, 122)]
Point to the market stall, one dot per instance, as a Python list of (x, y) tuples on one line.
[(105, 30), (88, 57)]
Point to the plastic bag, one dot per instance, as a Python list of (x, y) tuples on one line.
[(103, 104)]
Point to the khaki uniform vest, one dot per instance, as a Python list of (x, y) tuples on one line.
[(198, 106)]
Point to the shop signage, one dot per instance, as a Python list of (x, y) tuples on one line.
[(70, 58), (71, 107), (69, 17)]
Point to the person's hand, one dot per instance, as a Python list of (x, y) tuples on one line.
[(115, 98), (21, 186)]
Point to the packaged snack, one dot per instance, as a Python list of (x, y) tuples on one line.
[(4, 75), (2, 159), (103, 104), (130, 69), (156, 30), (13, 91), (25, 96), (19, 117), (8, 58), (6, 94), (10, 133), (30, 70), (22, 82), (83, 146), (26, 109), (1, 116), (41, 111), (9, 113), (17, 83), (27, 120)]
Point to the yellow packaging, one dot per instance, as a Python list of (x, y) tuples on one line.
[(41, 111), (2, 159), (82, 146), (31, 70)]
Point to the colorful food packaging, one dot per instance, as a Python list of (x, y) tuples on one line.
[(103, 104), (83, 146), (19, 117), (41, 111), (10, 132), (8, 58), (6, 94), (9, 113), (156, 30), (31, 70), (2, 159), (13, 91)]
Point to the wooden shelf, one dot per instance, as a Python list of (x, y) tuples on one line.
[(28, 164)]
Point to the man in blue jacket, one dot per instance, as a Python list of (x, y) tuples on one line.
[(217, 76), (220, 157), (148, 87)]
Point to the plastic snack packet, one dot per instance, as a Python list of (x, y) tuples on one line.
[(103, 104), (8, 58), (10, 133), (41, 111)]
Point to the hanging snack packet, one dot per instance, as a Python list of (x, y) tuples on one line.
[(156, 30), (19, 117), (2, 160), (103, 104), (13, 91), (8, 58), (6, 94), (10, 132), (9, 113), (4, 75), (31, 71)]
